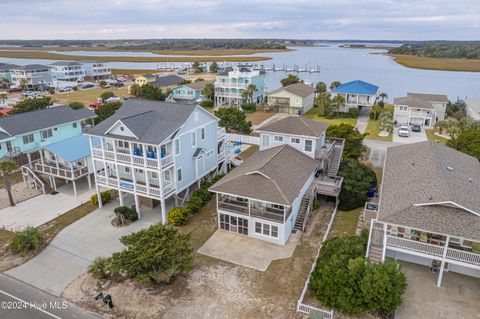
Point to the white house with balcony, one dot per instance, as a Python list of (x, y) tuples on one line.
[(156, 151), (97, 70), (356, 94), (419, 108), (272, 192), (68, 71), (232, 83), (429, 209), (295, 98)]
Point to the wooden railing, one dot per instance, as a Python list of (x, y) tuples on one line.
[(272, 214), (61, 171), (418, 246), (234, 207)]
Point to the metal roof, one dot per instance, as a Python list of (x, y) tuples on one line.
[(72, 149), (357, 87)]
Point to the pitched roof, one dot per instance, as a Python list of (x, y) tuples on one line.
[(36, 120), (66, 63), (167, 80), (31, 67), (149, 76), (151, 121), (299, 89), (420, 100), (275, 175), (7, 66), (72, 149), (357, 87), (430, 173), (198, 86), (295, 125)]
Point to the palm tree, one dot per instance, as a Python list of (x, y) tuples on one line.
[(3, 97), (383, 96), (335, 84), (453, 126), (208, 90), (441, 125), (320, 88), (248, 93), (338, 100), (23, 84), (6, 167), (376, 110), (386, 121), (4, 83)]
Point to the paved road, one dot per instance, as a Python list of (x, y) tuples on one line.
[(75, 247), (378, 150), (35, 304)]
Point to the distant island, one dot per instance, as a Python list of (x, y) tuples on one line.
[(448, 56)]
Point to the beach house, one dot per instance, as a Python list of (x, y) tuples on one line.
[(419, 108), (356, 94), (296, 98)]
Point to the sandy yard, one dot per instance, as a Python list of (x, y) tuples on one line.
[(213, 289), (259, 116), (19, 193)]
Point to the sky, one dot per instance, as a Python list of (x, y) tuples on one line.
[(287, 19)]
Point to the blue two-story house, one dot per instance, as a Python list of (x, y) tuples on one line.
[(189, 93), (155, 151), (23, 135)]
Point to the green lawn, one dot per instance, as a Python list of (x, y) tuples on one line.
[(373, 127), (345, 223), (432, 137), (313, 114)]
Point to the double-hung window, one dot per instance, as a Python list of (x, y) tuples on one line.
[(308, 145), (295, 140), (27, 138), (194, 139), (46, 134), (278, 138)]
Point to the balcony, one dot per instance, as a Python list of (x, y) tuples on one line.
[(50, 168), (124, 156), (270, 213), (230, 205), (125, 182), (220, 133), (327, 185), (246, 208)]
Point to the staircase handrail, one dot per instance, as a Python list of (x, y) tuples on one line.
[(38, 182)]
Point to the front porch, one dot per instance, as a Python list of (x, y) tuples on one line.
[(247, 251)]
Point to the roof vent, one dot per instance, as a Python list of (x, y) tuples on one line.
[(450, 168)]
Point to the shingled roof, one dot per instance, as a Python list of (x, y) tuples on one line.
[(299, 89), (275, 175), (150, 121), (432, 187), (420, 100), (295, 125)]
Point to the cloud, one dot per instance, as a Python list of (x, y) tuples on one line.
[(315, 19)]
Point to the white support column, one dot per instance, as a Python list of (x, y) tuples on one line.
[(137, 206), (442, 266), (164, 211), (54, 184), (369, 238), (29, 156), (74, 188), (120, 197), (384, 248), (89, 181), (99, 196)]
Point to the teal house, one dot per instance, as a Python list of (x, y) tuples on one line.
[(189, 93), (23, 135)]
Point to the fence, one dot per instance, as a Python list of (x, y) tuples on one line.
[(247, 139), (307, 309)]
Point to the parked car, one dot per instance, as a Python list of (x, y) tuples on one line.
[(14, 90), (416, 128), (121, 79), (403, 131), (118, 84), (65, 89), (87, 86)]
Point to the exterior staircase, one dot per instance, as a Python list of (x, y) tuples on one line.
[(375, 248), (375, 254), (35, 180), (304, 211), (336, 159)]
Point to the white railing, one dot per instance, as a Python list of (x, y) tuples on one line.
[(151, 162), (414, 245), (301, 307), (124, 157), (101, 179), (247, 139), (221, 156), (36, 180), (109, 155), (168, 189), (167, 160), (141, 188), (463, 256), (138, 160), (220, 132), (97, 152), (113, 181), (155, 191)]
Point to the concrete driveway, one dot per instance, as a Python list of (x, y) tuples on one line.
[(415, 137), (362, 120), (247, 251), (457, 298), (75, 247)]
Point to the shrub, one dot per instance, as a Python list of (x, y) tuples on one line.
[(106, 95), (51, 90), (250, 107), (154, 255), (206, 184), (179, 216), (26, 240), (76, 105), (130, 213), (353, 139), (195, 204), (381, 104), (207, 103), (100, 268), (217, 178), (353, 112), (357, 181), (106, 198), (203, 194)]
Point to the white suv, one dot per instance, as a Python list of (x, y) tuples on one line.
[(404, 131)]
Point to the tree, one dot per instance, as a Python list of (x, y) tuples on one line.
[(357, 181), (320, 88), (383, 96), (197, 68), (106, 95), (440, 125), (213, 67), (155, 255), (456, 109), (467, 142), (6, 167), (233, 119), (290, 79), (249, 91), (353, 139), (4, 83), (208, 91), (106, 110), (452, 126), (375, 111), (103, 84), (76, 105), (323, 102), (148, 92), (29, 105), (386, 121), (334, 85), (3, 97), (23, 84), (338, 100)]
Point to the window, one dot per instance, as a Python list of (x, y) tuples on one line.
[(177, 147), (202, 133), (274, 231), (179, 175), (266, 229), (209, 153), (154, 175), (258, 227), (167, 176), (46, 134), (127, 169), (28, 139), (122, 144), (194, 139), (278, 138), (308, 145), (74, 125), (295, 140)]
